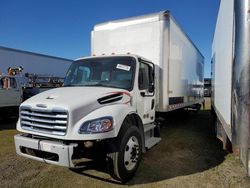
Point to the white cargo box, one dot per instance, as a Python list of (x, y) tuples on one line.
[(222, 60), (158, 38)]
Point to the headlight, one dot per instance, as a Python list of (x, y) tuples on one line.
[(99, 125)]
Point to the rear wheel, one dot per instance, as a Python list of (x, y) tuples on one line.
[(124, 162)]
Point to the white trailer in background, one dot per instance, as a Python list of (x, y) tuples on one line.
[(139, 66), (231, 78)]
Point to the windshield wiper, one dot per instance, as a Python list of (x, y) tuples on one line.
[(69, 85), (74, 85), (96, 85)]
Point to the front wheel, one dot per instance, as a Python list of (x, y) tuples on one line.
[(124, 162)]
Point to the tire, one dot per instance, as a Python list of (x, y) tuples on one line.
[(198, 108), (124, 161)]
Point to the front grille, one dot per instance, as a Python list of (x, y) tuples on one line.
[(43, 121)]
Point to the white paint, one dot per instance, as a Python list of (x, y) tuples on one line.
[(82, 105), (222, 54), (46, 147), (185, 65)]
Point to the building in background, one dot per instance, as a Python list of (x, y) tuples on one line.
[(33, 63)]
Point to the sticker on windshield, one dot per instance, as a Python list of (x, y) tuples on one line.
[(123, 67)]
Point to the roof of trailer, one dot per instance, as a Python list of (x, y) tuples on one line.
[(163, 15), (132, 21), (114, 55)]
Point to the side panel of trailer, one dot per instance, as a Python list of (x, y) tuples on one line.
[(222, 59), (186, 66), (241, 82), (230, 78)]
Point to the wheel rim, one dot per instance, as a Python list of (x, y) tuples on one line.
[(131, 153)]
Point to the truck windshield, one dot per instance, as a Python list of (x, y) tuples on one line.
[(114, 72)]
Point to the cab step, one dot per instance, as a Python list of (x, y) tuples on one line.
[(151, 133)]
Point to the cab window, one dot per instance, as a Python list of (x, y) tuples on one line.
[(146, 79), (13, 83)]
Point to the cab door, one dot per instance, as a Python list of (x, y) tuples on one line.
[(146, 94), (10, 94)]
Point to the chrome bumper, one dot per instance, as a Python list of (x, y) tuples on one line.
[(63, 151)]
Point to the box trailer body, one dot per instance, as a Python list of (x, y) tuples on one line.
[(110, 99), (230, 77), (157, 37)]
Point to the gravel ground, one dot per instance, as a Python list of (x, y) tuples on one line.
[(189, 155)]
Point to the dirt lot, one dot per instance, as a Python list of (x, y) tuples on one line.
[(189, 155)]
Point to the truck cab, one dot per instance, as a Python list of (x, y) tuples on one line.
[(105, 99), (133, 76), (10, 91)]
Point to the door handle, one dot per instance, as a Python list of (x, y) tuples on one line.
[(143, 94), (152, 104)]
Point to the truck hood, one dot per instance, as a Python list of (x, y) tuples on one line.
[(78, 101)]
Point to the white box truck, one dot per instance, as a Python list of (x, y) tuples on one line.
[(139, 66), (230, 77)]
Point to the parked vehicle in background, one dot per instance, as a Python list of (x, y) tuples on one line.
[(38, 83), (231, 78), (139, 66), (11, 91), (16, 88), (207, 87)]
